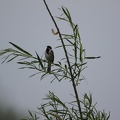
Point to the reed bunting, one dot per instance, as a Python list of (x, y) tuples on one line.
[(49, 55)]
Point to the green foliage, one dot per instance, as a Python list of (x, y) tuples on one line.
[(71, 67), (55, 108), (32, 117)]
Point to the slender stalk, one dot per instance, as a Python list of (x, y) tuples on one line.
[(74, 86)]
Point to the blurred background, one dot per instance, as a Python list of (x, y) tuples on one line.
[(28, 24)]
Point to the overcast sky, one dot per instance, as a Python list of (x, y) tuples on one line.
[(27, 24)]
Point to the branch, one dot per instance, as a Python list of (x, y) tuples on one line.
[(67, 58)]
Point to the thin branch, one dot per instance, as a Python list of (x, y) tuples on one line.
[(72, 78)]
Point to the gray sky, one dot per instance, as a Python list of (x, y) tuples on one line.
[(27, 24)]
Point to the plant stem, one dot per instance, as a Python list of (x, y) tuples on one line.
[(72, 78)]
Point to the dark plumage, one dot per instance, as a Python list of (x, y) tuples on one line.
[(49, 55)]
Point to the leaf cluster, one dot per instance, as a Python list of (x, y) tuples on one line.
[(55, 108), (24, 58)]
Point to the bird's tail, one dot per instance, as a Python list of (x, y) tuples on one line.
[(49, 68)]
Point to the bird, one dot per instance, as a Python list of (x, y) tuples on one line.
[(49, 55)]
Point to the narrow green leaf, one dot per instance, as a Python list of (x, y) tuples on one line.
[(67, 35), (19, 48), (30, 114), (25, 63), (70, 42), (22, 63), (34, 74), (39, 60), (62, 46), (12, 58), (65, 66), (2, 52), (62, 18), (59, 63), (5, 58), (92, 57), (66, 12), (63, 9), (69, 17), (43, 76), (81, 51), (75, 27)]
